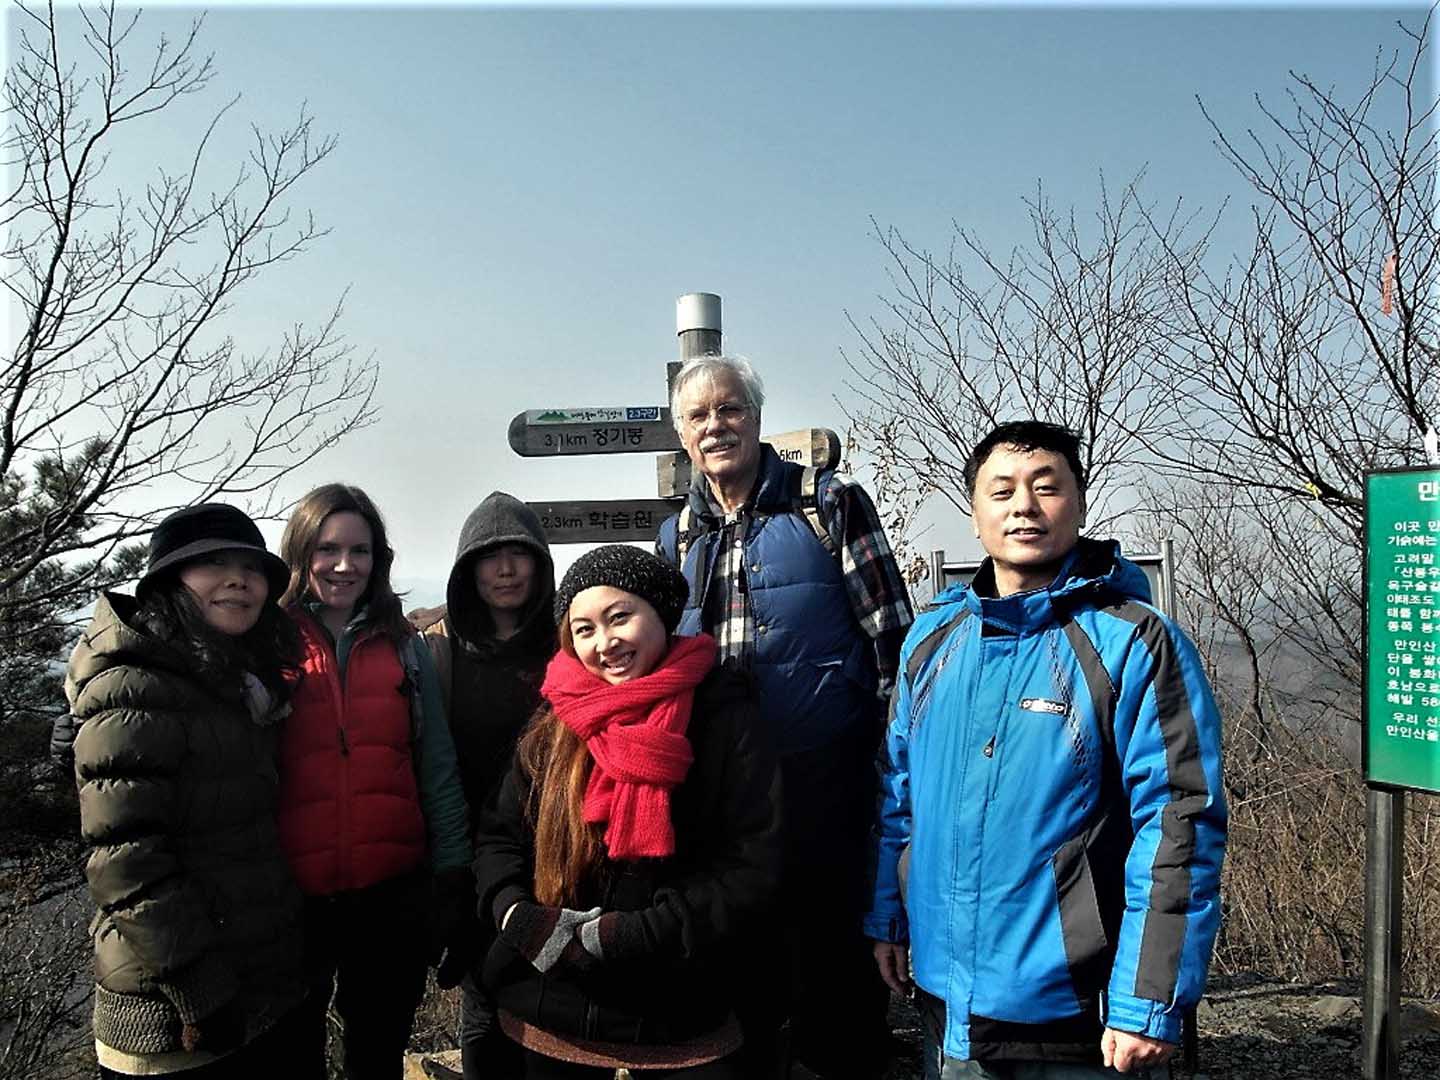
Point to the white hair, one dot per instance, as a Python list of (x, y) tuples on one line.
[(709, 368)]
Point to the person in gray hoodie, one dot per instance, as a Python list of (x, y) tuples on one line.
[(491, 646)]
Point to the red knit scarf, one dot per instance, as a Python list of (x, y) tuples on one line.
[(635, 733)]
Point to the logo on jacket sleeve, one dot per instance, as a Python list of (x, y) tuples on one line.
[(1043, 705)]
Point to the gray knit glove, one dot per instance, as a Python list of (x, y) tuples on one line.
[(546, 935)]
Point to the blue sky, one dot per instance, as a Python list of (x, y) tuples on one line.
[(520, 194)]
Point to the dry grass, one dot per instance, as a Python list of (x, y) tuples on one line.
[(1294, 879)]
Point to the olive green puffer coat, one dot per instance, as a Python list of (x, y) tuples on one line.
[(197, 909)]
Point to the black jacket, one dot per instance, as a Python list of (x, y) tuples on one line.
[(492, 687), (701, 909)]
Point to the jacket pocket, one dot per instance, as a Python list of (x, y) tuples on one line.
[(552, 1001), (1087, 945), (842, 685)]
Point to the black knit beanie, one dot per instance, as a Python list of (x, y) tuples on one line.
[(632, 570)]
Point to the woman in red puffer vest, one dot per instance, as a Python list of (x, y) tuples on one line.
[(372, 816)]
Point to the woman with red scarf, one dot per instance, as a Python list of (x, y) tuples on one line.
[(631, 855)]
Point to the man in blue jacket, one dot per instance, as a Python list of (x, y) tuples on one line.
[(1052, 820), (790, 570)]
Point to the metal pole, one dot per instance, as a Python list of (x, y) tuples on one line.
[(1167, 579), (1384, 853), (937, 571), (697, 325)]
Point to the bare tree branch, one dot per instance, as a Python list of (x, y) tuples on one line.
[(122, 375)]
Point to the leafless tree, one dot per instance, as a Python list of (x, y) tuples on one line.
[(45, 961), (1292, 374), (122, 391), (1066, 328), (122, 373), (1271, 625), (1313, 359)]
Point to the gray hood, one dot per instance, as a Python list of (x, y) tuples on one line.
[(500, 519)]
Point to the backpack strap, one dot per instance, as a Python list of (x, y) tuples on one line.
[(437, 639), (804, 501), (413, 687), (684, 533), (689, 531)]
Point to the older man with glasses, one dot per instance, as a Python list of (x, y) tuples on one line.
[(790, 570)]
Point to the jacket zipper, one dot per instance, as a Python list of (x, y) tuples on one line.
[(931, 678), (342, 816), (988, 750)]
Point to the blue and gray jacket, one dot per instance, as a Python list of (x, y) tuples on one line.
[(1053, 783)]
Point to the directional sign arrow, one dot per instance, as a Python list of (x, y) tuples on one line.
[(627, 429), (602, 520)]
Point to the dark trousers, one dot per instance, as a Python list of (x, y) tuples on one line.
[(835, 999), (371, 945), (486, 1052), (276, 1052), (540, 1067)]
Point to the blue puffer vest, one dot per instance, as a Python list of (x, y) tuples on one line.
[(814, 663)]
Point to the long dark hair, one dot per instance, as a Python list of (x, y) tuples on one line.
[(270, 649), (302, 533)]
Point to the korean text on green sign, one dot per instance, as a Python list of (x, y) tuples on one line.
[(1402, 616)]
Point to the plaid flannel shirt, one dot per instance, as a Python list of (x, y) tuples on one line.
[(878, 597)]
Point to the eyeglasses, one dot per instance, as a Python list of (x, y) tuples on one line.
[(728, 413)]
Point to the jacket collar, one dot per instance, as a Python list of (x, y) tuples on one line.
[(1093, 569), (771, 491)]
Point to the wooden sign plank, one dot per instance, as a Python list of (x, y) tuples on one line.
[(603, 520), (819, 447), (815, 446), (626, 429)]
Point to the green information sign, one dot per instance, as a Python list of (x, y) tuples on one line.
[(1402, 629)]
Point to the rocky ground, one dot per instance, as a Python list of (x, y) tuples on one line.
[(1250, 1029)]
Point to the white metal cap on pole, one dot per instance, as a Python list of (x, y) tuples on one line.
[(697, 324), (697, 311)]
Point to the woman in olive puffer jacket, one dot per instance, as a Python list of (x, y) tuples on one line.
[(179, 693)]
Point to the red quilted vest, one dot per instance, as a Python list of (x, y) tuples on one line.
[(349, 804)]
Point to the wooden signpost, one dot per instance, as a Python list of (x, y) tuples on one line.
[(635, 429)]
